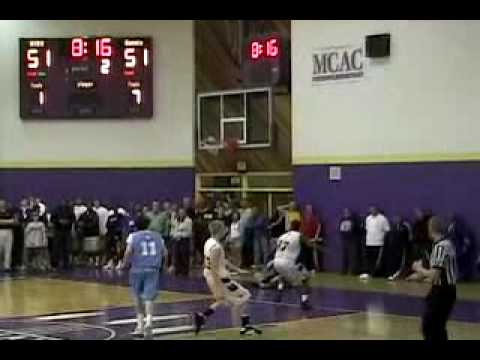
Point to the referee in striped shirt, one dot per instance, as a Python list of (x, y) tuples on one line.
[(443, 276)]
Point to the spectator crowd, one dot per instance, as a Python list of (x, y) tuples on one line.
[(37, 237)]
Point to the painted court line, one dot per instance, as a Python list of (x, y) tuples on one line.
[(155, 318), (69, 316), (172, 330), (341, 310)]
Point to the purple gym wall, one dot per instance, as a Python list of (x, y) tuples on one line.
[(113, 185), (395, 188)]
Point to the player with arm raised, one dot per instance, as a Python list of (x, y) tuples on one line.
[(224, 290), (146, 254), (289, 264)]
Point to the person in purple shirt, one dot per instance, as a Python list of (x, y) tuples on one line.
[(145, 254)]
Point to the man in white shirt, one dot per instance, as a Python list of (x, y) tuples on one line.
[(103, 214), (377, 227), (79, 208), (182, 236)]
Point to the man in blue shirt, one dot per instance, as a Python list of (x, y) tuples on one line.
[(145, 253)]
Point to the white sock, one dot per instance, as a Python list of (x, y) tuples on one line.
[(140, 318), (149, 321), (304, 297)]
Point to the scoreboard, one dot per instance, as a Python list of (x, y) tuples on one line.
[(86, 77), (266, 60)]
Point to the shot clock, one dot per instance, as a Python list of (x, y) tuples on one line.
[(86, 77), (266, 60)]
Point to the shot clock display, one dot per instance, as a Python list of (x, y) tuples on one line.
[(86, 77), (266, 60)]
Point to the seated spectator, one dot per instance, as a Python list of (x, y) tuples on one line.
[(36, 244)]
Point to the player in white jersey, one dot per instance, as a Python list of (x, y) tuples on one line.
[(288, 264), (224, 290)]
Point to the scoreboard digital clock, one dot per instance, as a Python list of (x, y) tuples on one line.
[(86, 77), (266, 60)]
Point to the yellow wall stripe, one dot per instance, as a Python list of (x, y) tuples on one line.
[(83, 164), (386, 158)]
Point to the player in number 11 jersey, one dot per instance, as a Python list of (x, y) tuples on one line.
[(145, 253)]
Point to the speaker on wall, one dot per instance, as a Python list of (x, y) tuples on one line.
[(377, 46)]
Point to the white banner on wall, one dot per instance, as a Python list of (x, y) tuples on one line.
[(337, 64)]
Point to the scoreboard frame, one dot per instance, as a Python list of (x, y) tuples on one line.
[(136, 87)]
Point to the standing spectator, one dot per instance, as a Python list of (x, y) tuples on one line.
[(247, 234), (189, 208), (203, 216), (115, 235), (291, 213), (157, 219), (173, 210), (219, 211), (396, 248), (7, 224), (182, 235), (102, 213), (89, 230), (350, 243), (24, 210), (260, 238), (421, 244), (310, 228), (36, 244), (228, 212), (63, 219), (377, 227), (276, 227), (17, 245), (79, 208), (234, 243), (23, 215), (458, 234), (160, 222)]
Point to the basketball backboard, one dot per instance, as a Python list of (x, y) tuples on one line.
[(244, 115)]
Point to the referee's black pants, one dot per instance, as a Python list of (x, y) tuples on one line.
[(439, 304)]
